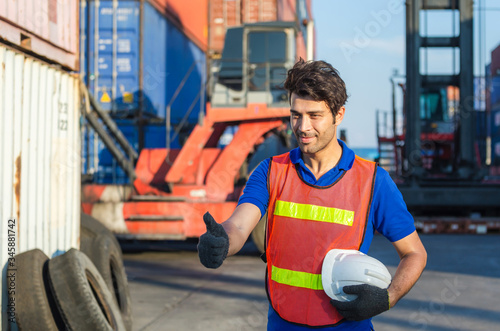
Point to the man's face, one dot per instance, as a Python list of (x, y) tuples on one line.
[(312, 123)]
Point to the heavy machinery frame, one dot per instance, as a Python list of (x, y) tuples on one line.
[(173, 188)]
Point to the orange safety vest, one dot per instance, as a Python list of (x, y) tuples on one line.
[(305, 221)]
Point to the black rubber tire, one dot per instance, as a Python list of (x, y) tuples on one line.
[(107, 258), (82, 297), (101, 246), (93, 227), (35, 308)]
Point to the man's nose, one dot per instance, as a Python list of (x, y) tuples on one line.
[(304, 124)]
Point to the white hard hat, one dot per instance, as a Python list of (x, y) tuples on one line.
[(343, 267)]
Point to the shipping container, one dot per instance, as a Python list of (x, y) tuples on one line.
[(495, 92), (224, 14), (48, 28), (40, 153), (495, 61), (104, 169), (296, 10), (138, 62), (193, 23), (479, 93), (495, 121), (487, 96)]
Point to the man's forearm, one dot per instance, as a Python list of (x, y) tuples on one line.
[(409, 270), (236, 238), (240, 225)]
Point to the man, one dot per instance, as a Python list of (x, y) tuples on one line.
[(319, 196)]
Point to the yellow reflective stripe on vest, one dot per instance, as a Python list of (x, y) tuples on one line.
[(296, 278), (314, 213)]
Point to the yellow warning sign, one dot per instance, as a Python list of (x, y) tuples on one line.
[(105, 97), (128, 97)]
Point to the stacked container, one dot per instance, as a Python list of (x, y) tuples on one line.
[(48, 29), (146, 63), (135, 61), (142, 61), (229, 13), (39, 130), (140, 56), (494, 99)]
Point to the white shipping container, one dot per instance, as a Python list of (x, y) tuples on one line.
[(40, 159), (46, 27)]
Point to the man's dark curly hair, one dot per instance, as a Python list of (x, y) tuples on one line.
[(318, 80)]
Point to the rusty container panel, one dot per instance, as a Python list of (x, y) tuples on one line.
[(495, 62), (259, 11), (40, 153), (190, 17), (299, 11), (286, 10), (47, 27), (222, 15)]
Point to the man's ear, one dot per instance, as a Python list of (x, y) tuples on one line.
[(340, 115)]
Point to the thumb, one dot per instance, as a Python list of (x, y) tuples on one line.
[(213, 227)]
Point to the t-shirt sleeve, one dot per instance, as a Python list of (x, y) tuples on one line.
[(390, 215), (255, 191)]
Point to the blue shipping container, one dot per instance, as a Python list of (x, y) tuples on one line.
[(495, 122), (104, 167), (134, 59), (495, 92)]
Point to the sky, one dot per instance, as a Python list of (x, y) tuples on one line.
[(365, 41)]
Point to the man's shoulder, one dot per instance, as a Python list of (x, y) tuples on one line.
[(384, 180)]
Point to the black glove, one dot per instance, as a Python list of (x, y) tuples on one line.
[(214, 244), (371, 301)]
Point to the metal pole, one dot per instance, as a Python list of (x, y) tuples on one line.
[(378, 132), (141, 94), (203, 87), (96, 47), (413, 79), (393, 108), (385, 124), (310, 40), (168, 126), (467, 125), (115, 56)]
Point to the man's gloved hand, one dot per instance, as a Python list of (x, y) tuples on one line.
[(371, 301), (214, 244)]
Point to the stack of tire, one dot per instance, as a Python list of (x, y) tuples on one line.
[(84, 289)]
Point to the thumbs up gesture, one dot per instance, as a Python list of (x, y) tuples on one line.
[(214, 244)]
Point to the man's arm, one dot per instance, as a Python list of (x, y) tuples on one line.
[(222, 240), (372, 300), (240, 225), (413, 259)]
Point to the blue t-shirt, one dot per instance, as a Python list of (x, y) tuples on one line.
[(388, 214)]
